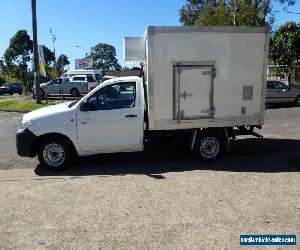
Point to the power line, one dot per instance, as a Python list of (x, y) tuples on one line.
[(286, 11)]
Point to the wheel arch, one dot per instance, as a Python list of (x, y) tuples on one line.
[(221, 131), (40, 138)]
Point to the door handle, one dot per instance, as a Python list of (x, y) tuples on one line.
[(84, 120), (130, 116)]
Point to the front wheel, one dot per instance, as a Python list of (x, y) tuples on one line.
[(54, 153), (208, 146)]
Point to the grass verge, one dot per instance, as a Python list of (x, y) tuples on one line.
[(23, 105), (295, 161)]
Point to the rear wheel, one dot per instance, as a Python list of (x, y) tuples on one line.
[(297, 101), (208, 146), (54, 152), (74, 93), (11, 93)]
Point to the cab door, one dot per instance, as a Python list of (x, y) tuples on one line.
[(113, 121)]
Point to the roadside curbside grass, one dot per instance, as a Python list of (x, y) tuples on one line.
[(294, 161), (23, 105)]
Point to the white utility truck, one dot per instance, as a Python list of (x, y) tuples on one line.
[(205, 84), (74, 86)]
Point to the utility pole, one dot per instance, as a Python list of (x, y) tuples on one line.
[(62, 72), (35, 53), (53, 41)]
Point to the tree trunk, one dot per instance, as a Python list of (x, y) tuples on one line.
[(234, 12), (289, 76)]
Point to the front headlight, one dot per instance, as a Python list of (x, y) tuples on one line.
[(24, 125)]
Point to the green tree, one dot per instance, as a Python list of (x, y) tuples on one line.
[(190, 12), (104, 57), (61, 59), (228, 12), (285, 47), (214, 16), (17, 55), (49, 57)]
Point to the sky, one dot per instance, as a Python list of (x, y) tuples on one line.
[(78, 25)]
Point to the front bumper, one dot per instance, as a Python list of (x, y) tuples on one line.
[(25, 140)]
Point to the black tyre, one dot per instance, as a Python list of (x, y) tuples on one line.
[(74, 93), (11, 93), (297, 101), (54, 152), (208, 146)]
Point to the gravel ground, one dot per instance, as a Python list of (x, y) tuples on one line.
[(154, 200)]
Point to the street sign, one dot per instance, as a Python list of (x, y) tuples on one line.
[(83, 63)]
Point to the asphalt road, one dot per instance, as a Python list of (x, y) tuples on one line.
[(159, 199)]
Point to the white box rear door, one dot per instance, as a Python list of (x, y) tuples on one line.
[(194, 85)]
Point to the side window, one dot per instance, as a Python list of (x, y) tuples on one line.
[(115, 96), (79, 79), (90, 79), (279, 85), (270, 85)]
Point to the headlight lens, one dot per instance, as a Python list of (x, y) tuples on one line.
[(24, 125)]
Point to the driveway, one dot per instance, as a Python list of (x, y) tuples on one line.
[(158, 199)]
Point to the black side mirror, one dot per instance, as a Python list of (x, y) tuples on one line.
[(87, 106)]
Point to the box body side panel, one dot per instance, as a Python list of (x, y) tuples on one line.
[(239, 60)]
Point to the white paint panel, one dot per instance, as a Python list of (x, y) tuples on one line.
[(240, 60), (194, 91)]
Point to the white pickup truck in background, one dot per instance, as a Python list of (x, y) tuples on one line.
[(74, 86)]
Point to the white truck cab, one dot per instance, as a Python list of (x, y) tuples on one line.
[(108, 119)]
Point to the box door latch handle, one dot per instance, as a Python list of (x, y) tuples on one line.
[(185, 95)]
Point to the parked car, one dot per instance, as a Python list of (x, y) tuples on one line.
[(278, 92), (5, 90), (13, 87)]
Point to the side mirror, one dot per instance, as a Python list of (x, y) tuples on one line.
[(87, 106)]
